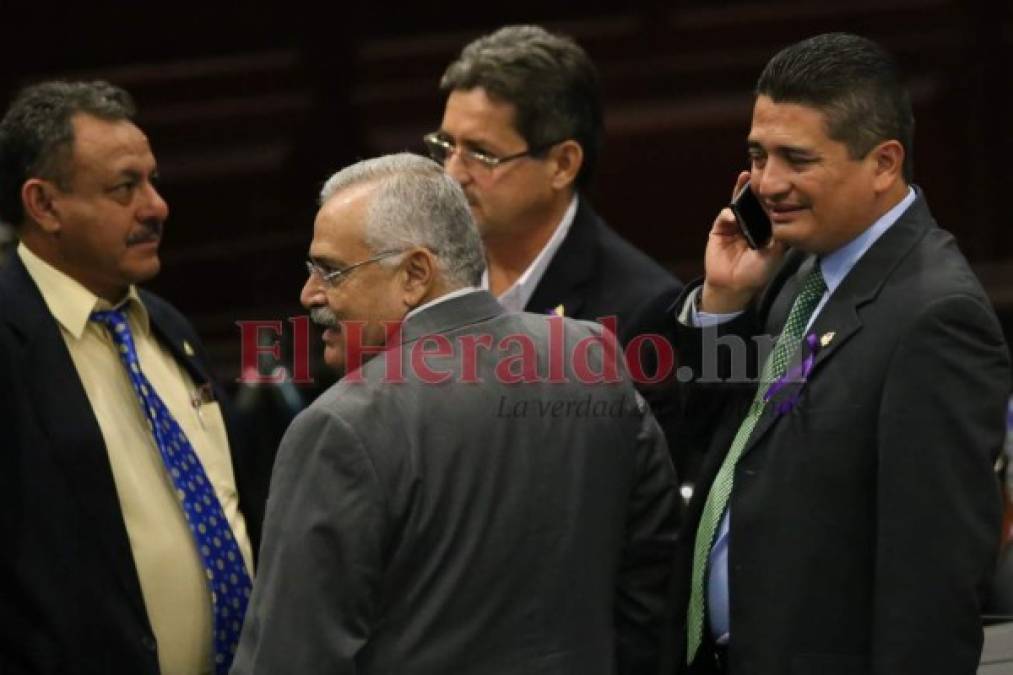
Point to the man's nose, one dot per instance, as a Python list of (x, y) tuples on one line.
[(154, 205), (312, 294), (455, 167), (771, 182)]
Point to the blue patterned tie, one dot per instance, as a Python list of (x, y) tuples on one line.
[(228, 580)]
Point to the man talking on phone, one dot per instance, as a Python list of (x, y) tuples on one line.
[(846, 517)]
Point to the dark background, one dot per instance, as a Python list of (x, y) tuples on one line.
[(250, 108)]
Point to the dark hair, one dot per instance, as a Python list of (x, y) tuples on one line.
[(37, 134), (851, 80), (548, 78)]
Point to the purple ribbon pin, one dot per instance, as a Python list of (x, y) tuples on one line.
[(798, 373)]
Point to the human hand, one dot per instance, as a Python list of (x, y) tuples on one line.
[(734, 273)]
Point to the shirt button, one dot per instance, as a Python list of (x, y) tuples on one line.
[(149, 643)]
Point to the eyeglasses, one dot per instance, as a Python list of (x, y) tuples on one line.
[(332, 278), (441, 148)]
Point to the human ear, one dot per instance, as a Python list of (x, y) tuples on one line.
[(38, 201), (417, 276), (566, 160), (888, 164)]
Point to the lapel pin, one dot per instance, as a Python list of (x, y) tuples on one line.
[(187, 349), (558, 311), (826, 338)]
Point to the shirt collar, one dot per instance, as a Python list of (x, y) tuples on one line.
[(835, 266), (70, 303), (517, 296), (443, 298)]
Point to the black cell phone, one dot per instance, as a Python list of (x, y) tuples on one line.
[(753, 220)]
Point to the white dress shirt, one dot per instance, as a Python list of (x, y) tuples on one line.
[(516, 298)]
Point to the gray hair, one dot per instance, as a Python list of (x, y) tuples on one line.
[(37, 134), (416, 204)]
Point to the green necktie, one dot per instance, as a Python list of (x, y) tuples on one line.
[(810, 292)]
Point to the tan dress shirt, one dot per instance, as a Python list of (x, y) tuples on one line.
[(170, 569)]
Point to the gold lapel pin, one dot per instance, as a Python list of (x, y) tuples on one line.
[(558, 311), (187, 349), (826, 338)]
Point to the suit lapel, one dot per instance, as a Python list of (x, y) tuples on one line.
[(66, 417), (840, 318), (167, 332), (570, 270), (175, 334)]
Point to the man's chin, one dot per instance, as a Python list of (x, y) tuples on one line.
[(481, 226), (334, 358), (479, 217), (143, 270), (803, 241)]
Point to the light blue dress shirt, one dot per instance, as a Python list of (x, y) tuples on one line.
[(835, 267)]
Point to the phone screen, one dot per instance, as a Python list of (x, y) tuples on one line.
[(752, 219)]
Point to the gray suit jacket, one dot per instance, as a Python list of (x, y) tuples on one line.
[(466, 527)]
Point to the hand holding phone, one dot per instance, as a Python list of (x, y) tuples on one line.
[(752, 219), (733, 272)]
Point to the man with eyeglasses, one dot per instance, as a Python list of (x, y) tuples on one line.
[(521, 133), (413, 526)]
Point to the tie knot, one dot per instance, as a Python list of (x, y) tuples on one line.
[(813, 283), (115, 319)]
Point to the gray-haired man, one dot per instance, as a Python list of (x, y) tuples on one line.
[(448, 506)]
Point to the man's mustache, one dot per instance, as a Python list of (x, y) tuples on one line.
[(324, 317), (150, 230)]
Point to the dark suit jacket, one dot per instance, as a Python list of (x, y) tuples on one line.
[(596, 273), (70, 599), (865, 519), (476, 528)]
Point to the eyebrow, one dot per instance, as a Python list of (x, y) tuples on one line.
[(484, 144), (137, 175), (783, 149), (132, 174), (325, 261)]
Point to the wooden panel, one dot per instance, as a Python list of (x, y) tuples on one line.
[(250, 110)]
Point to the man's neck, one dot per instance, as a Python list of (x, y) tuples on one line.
[(507, 257), (40, 245), (445, 292), (884, 203), (892, 197)]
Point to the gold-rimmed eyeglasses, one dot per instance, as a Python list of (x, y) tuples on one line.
[(441, 148)]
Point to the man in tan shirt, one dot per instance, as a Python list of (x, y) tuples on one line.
[(125, 543)]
